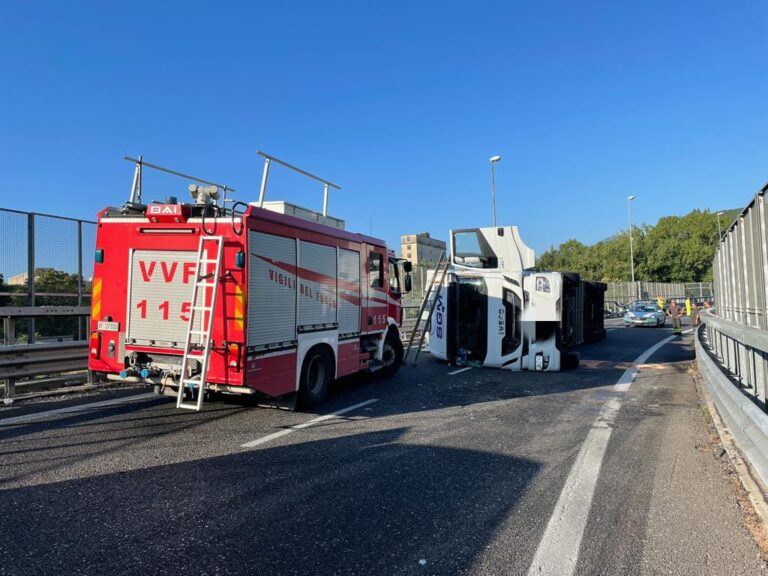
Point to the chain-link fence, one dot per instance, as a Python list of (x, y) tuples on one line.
[(46, 260), (625, 292)]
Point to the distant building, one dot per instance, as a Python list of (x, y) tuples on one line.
[(18, 279), (421, 248)]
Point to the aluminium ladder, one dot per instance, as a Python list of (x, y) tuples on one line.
[(197, 346), (422, 324)]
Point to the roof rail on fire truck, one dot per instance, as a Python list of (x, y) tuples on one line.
[(269, 158), (137, 178)]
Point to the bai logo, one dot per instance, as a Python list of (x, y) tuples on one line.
[(164, 209)]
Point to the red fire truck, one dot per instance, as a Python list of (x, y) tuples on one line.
[(265, 298)]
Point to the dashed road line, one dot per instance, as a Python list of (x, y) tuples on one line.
[(459, 371), (72, 409), (558, 551), (294, 428)]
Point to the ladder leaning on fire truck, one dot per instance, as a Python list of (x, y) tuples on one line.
[(204, 292), (422, 324)]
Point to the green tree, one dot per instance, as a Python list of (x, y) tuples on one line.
[(676, 249)]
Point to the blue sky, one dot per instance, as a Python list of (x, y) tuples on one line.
[(401, 103)]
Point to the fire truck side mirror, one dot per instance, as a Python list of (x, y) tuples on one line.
[(407, 266), (408, 283)]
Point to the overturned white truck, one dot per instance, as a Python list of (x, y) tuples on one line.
[(495, 309)]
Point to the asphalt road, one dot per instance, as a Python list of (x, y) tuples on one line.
[(479, 472)]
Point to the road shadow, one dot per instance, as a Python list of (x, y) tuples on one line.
[(425, 387), (361, 504)]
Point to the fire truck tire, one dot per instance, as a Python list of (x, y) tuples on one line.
[(316, 377), (392, 356)]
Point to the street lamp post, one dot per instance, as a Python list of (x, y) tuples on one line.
[(719, 231), (631, 250), (494, 159)]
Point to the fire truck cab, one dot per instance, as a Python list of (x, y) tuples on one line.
[(270, 299)]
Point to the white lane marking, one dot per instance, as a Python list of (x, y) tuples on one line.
[(558, 551), (610, 329), (71, 409), (459, 371), (289, 430)]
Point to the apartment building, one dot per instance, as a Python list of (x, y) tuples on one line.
[(421, 248)]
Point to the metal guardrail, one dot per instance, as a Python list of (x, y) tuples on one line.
[(743, 417), (21, 363), (409, 320), (10, 314), (741, 351)]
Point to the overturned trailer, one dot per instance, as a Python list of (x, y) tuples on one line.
[(495, 309)]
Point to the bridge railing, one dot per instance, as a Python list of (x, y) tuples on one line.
[(46, 364), (741, 353), (738, 396), (46, 266), (732, 347), (739, 333)]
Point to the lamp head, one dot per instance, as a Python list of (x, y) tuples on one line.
[(630, 198), (495, 158)]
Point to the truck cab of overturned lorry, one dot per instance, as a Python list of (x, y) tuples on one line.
[(495, 309)]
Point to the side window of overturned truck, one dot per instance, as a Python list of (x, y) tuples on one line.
[(471, 249)]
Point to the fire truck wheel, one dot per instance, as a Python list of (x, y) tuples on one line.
[(392, 356), (316, 376)]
